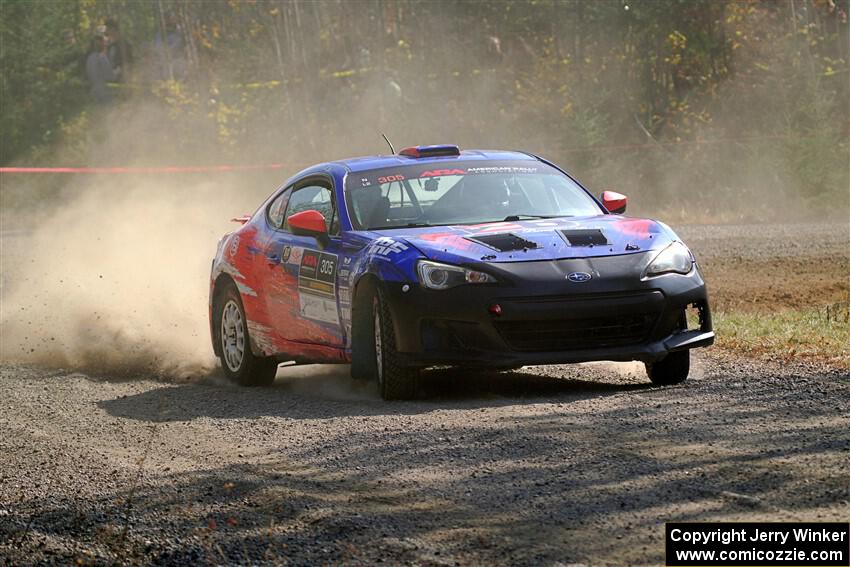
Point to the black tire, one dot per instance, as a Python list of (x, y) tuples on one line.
[(379, 361), (672, 369), (395, 381), (240, 366), (362, 335)]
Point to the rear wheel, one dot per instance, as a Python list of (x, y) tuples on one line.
[(672, 369), (239, 363)]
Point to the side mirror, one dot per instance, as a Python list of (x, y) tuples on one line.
[(309, 223), (614, 202)]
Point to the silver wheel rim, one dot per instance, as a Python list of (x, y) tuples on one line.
[(232, 336), (379, 355)]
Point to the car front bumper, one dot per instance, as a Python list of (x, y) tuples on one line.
[(543, 318)]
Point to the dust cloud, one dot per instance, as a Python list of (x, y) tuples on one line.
[(115, 280), (109, 274)]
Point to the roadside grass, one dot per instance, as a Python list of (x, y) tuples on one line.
[(814, 335)]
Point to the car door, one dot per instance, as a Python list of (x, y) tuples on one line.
[(301, 290)]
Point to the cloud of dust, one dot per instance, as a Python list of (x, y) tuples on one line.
[(327, 381), (110, 273), (115, 280)]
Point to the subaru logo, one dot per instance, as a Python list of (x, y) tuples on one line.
[(579, 277)]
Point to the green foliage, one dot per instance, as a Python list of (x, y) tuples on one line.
[(681, 103), (42, 80), (808, 334)]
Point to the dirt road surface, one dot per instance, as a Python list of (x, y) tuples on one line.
[(554, 465), (573, 464)]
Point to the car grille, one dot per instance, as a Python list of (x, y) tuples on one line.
[(576, 334)]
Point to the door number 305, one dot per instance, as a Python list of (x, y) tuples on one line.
[(326, 267)]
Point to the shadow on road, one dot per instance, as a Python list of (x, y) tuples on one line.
[(557, 480), (530, 492), (317, 392)]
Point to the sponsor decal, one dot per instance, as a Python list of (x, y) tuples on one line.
[(435, 171), (287, 251), (317, 286), (295, 255), (234, 245), (442, 172), (385, 246), (318, 271), (344, 294), (317, 308), (448, 239), (501, 169), (639, 228)]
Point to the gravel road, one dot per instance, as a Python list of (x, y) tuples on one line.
[(554, 465), (565, 464)]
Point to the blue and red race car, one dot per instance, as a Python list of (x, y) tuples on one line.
[(437, 256)]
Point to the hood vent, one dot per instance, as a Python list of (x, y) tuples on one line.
[(588, 237), (503, 242)]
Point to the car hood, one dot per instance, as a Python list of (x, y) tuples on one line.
[(535, 240)]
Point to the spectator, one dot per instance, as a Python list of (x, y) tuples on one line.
[(98, 69), (171, 50), (119, 51)]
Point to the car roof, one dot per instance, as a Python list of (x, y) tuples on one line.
[(366, 163)]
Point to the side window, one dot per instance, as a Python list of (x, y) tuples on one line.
[(315, 197), (277, 208)]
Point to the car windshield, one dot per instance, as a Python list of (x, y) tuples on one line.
[(453, 193)]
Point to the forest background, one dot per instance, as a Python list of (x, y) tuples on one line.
[(699, 110)]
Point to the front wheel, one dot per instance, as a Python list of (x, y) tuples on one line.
[(374, 353), (239, 363), (396, 382), (672, 369)]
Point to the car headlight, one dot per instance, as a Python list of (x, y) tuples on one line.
[(675, 259), (434, 275)]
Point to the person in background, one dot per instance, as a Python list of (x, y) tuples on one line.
[(99, 69), (118, 50), (170, 49)]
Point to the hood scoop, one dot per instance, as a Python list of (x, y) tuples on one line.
[(503, 242), (587, 237)]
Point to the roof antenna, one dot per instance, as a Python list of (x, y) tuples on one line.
[(390, 144)]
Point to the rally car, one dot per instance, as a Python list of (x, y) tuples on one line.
[(436, 256)]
